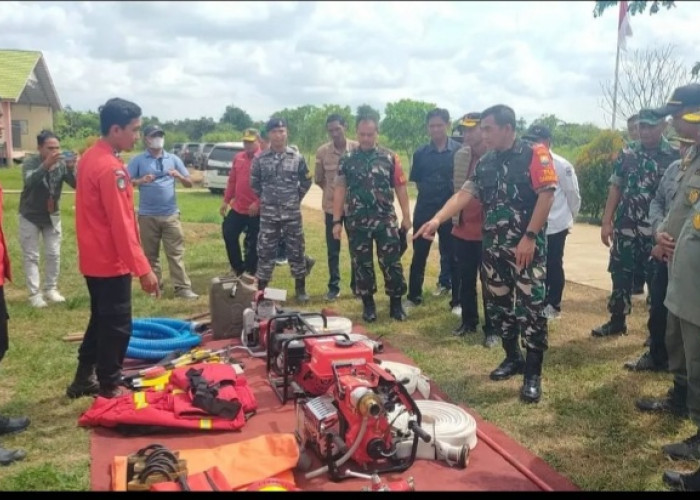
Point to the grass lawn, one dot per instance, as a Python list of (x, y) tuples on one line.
[(586, 426)]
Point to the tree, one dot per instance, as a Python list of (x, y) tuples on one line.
[(635, 7), (404, 124), (236, 117), (646, 80), (695, 72)]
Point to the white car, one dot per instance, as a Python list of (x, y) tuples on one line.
[(218, 166)]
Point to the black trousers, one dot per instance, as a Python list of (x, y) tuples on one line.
[(421, 249), (466, 269), (555, 268), (109, 329), (333, 247), (4, 334), (232, 227), (658, 314)]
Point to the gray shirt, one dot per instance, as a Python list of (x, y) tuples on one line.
[(661, 203), (684, 271)]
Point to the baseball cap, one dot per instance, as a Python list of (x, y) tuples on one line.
[(274, 123), (537, 133), (469, 120), (151, 130), (682, 97), (692, 117), (650, 117), (250, 135)]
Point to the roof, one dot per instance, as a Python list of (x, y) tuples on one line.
[(16, 68)]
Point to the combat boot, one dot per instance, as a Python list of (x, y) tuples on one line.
[(674, 402), (309, 263), (531, 391), (679, 481), (513, 364), (300, 290), (396, 309), (688, 449), (369, 309), (616, 326), (262, 284), (9, 456), (84, 383)]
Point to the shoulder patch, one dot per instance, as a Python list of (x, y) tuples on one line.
[(544, 159), (121, 182), (696, 221)]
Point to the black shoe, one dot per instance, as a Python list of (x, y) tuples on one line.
[(679, 481), (662, 405), (463, 329), (309, 264), (300, 291), (9, 456), (688, 449), (369, 309), (610, 328), (396, 309), (645, 363), (332, 296), (507, 369), (84, 383), (531, 391), (12, 425)]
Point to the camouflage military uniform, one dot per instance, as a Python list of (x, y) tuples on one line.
[(280, 180), (514, 299), (369, 178), (636, 173)]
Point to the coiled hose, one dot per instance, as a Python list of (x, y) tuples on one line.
[(155, 338)]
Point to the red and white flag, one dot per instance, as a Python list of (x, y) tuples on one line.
[(623, 26)]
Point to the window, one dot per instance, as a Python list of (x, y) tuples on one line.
[(224, 154)]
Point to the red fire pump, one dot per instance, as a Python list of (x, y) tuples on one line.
[(351, 421), (302, 365), (264, 318)]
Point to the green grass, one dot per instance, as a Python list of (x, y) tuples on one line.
[(586, 426)]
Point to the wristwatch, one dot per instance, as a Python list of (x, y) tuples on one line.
[(531, 235)]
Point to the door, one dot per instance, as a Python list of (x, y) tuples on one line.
[(16, 135)]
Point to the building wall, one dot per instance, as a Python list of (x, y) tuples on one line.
[(37, 118)]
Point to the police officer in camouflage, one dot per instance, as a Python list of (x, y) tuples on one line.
[(365, 185), (633, 184), (515, 182), (280, 177)]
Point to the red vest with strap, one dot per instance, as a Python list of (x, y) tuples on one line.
[(208, 396)]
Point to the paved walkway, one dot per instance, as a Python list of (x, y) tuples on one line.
[(585, 257)]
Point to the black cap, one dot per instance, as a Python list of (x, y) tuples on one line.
[(537, 133), (683, 97), (274, 123), (151, 130)]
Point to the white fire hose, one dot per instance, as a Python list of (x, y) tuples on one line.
[(411, 375)]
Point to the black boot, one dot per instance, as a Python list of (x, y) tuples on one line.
[(300, 289), (84, 383), (531, 391), (9, 456), (674, 402), (369, 309), (309, 261), (396, 309), (13, 425), (262, 284), (679, 481), (616, 326), (513, 364)]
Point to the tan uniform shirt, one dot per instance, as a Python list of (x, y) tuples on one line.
[(684, 271), (327, 160), (686, 195)]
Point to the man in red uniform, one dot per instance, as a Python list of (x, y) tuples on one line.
[(109, 251), (7, 424), (244, 205)]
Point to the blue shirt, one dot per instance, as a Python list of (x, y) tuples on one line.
[(157, 197)]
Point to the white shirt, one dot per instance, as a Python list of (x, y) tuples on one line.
[(567, 200)]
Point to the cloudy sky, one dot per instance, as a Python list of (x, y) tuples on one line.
[(187, 60)]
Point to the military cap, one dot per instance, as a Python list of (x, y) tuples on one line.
[(536, 133), (692, 117), (650, 117), (250, 135), (683, 97), (469, 120), (682, 140), (274, 123), (151, 130)]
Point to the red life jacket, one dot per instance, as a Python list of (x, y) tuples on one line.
[(208, 396)]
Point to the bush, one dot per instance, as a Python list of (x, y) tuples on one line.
[(593, 169)]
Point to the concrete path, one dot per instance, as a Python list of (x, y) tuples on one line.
[(585, 256)]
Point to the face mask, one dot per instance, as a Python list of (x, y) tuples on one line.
[(156, 142)]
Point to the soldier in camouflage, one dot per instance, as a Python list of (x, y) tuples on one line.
[(280, 178), (633, 184), (365, 184), (515, 182)]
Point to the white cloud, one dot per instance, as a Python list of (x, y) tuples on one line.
[(191, 59)]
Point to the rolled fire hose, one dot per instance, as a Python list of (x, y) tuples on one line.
[(156, 338), (346, 457), (452, 429), (412, 375)]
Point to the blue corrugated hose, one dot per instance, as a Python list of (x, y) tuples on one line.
[(155, 338)]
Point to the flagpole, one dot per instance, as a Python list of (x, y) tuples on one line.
[(617, 66)]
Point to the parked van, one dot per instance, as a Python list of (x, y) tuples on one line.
[(218, 165)]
